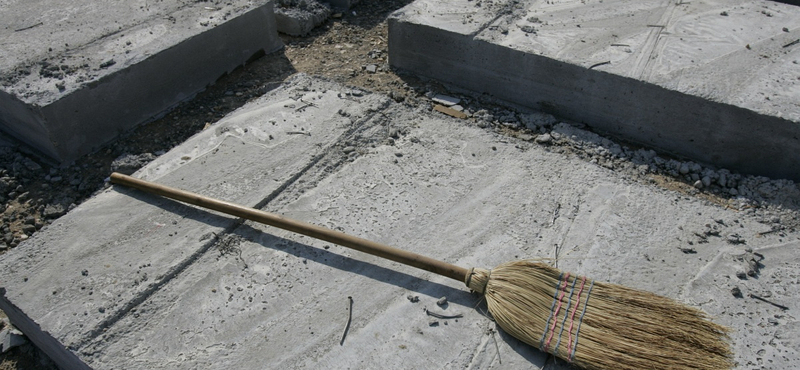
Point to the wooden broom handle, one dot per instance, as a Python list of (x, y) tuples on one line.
[(314, 231)]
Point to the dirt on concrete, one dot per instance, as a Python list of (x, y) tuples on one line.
[(351, 48)]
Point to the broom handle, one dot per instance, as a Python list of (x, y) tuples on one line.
[(314, 231)]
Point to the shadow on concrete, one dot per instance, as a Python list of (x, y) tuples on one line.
[(413, 284), (399, 279), (186, 211)]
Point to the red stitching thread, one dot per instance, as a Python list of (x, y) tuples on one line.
[(558, 308), (572, 317)]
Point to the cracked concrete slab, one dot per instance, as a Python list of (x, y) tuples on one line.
[(714, 81), (75, 74), (416, 179)]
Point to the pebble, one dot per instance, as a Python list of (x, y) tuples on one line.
[(737, 292), (413, 298), (544, 139), (772, 321), (433, 322), (698, 184), (349, 149), (54, 211), (372, 68), (28, 229), (442, 301)]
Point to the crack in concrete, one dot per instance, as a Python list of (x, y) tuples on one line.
[(176, 270)]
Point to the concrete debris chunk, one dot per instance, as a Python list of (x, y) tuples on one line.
[(10, 337), (298, 18), (445, 100)]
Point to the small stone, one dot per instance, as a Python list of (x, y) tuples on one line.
[(722, 180), (398, 154), (741, 275), (30, 220), (447, 101), (433, 322), (698, 184), (54, 211), (372, 68), (544, 139), (442, 301), (128, 163), (85, 272), (10, 337), (413, 298), (349, 149), (706, 181), (684, 169), (735, 239), (737, 292), (102, 309), (28, 229), (772, 321)]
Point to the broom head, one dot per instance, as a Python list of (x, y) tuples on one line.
[(597, 325)]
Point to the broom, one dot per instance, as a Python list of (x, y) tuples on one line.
[(588, 323)]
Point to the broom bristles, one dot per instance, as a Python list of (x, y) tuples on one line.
[(597, 325)]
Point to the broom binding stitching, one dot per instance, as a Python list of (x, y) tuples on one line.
[(555, 313), (572, 317), (566, 314), (580, 321), (547, 324)]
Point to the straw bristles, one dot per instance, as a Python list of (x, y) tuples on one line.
[(599, 325)]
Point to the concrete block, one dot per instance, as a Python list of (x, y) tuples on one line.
[(75, 74), (111, 252), (176, 296), (714, 81), (295, 20)]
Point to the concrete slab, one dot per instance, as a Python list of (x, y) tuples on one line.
[(714, 81), (420, 180), (75, 74), (115, 267)]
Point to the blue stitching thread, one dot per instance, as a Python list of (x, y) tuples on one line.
[(580, 322), (566, 313), (547, 325)]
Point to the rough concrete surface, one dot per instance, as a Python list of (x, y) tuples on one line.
[(75, 74), (128, 280), (298, 18), (715, 81)]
